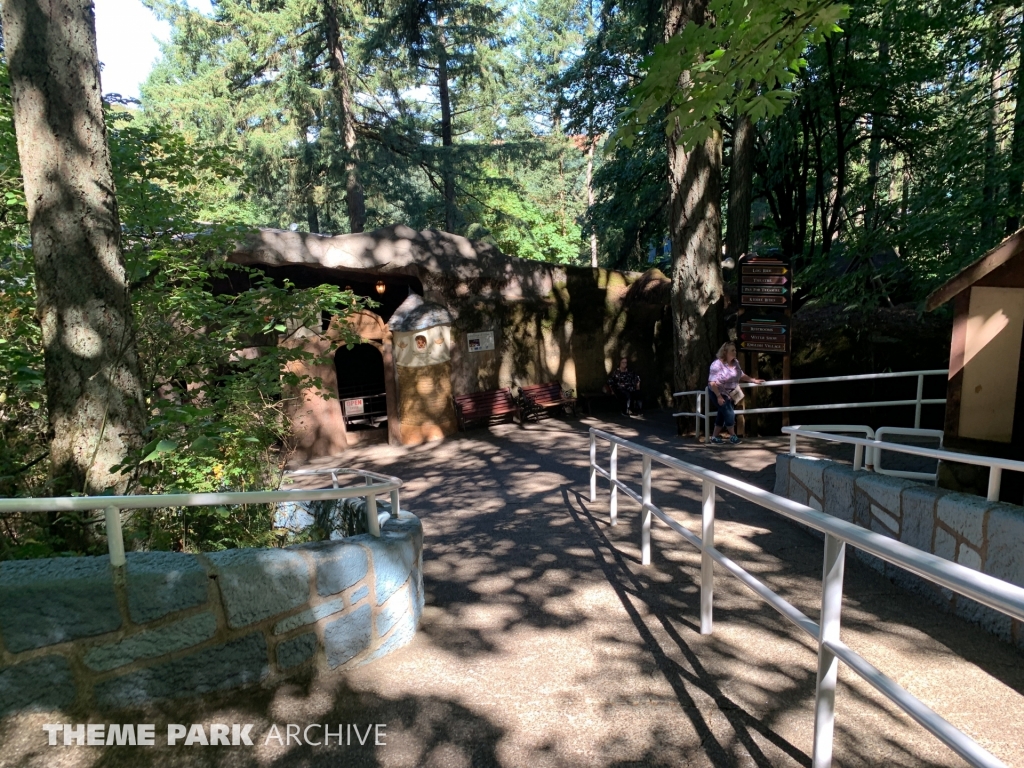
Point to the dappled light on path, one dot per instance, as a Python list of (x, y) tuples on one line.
[(544, 642)]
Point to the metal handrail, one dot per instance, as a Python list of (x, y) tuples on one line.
[(1000, 595), (917, 402), (112, 505), (995, 465)]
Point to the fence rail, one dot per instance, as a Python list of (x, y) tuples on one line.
[(702, 406), (374, 484), (995, 465), (1000, 595)]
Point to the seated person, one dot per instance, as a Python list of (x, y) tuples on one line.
[(625, 385)]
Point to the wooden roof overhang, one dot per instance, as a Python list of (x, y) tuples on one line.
[(991, 261)]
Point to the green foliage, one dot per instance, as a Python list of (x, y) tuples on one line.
[(213, 342), (743, 56)]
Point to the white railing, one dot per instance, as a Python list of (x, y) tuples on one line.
[(702, 406), (1000, 595), (995, 465), (374, 484)]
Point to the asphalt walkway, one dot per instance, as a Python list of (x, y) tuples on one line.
[(545, 643)]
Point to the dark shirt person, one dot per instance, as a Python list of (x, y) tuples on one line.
[(625, 385)]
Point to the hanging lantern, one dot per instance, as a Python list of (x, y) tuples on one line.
[(381, 287)]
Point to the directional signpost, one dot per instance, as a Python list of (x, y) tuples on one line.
[(766, 306)]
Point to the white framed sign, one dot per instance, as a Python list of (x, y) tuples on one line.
[(354, 407), (480, 342)]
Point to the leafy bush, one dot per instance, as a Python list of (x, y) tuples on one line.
[(213, 340)]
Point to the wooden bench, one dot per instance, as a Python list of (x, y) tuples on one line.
[(539, 398), (484, 406)]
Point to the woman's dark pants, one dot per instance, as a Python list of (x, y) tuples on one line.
[(726, 417)]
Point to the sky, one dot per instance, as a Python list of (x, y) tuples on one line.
[(127, 35)]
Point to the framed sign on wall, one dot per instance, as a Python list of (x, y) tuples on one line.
[(482, 341)]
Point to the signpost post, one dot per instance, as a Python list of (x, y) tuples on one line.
[(765, 311)]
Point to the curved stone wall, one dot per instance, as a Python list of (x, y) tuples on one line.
[(76, 631)]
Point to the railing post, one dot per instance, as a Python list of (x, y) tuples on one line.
[(593, 468), (792, 443), (334, 479), (828, 664), (372, 523), (707, 417), (995, 477), (115, 539), (394, 503), (858, 457), (645, 516), (920, 396), (613, 470), (707, 564), (696, 416)]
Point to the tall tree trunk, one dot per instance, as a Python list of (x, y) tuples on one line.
[(875, 143), (1015, 180), (591, 141), (355, 200), (989, 192), (741, 184), (695, 180), (93, 389), (306, 180), (447, 171)]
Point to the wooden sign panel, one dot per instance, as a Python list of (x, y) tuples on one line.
[(766, 295)]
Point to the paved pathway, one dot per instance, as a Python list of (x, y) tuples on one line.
[(545, 643)]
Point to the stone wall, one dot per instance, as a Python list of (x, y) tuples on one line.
[(76, 631), (984, 535)]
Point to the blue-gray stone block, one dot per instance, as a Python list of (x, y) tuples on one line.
[(256, 584), (918, 504), (782, 462), (416, 582), (338, 564), (402, 635), (232, 665), (309, 615), (348, 636), (882, 491), (1006, 544), (152, 643), (809, 471), (838, 483), (43, 602), (43, 684), (393, 610), (293, 652), (160, 583), (965, 514), (394, 555), (359, 594)]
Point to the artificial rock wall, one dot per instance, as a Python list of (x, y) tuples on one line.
[(984, 535), (551, 322), (76, 631)]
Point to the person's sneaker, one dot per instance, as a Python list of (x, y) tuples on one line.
[(717, 440), (735, 439)]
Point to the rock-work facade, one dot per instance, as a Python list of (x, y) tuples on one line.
[(76, 631), (546, 322), (987, 536)]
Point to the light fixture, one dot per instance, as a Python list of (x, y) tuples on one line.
[(381, 287)]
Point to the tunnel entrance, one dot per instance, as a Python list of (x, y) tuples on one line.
[(361, 387)]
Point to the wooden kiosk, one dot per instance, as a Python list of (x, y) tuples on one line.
[(985, 394)]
